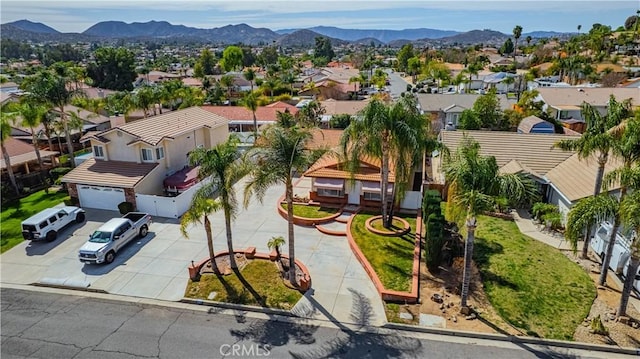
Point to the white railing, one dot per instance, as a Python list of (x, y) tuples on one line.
[(170, 207)]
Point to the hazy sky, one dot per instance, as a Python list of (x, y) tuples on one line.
[(560, 15)]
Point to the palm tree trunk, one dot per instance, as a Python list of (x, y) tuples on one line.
[(607, 257), (212, 255), (63, 117), (385, 181), (7, 162), (227, 223), (34, 140), (292, 260), (468, 256), (634, 262), (255, 127), (602, 161)]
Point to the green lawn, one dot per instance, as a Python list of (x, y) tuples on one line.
[(262, 286), (14, 213), (305, 211), (390, 257), (532, 285)]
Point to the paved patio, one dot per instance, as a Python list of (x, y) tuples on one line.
[(156, 266)]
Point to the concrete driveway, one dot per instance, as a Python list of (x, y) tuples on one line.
[(156, 266)]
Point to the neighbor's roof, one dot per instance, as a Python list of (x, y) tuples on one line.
[(109, 173), (169, 125), (323, 138), (598, 96), (575, 178), (330, 166), (263, 113), (533, 151), (21, 152), (438, 102), (85, 115), (529, 122), (337, 107)]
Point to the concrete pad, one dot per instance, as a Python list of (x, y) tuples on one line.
[(182, 249), (110, 280), (325, 283), (165, 267), (364, 286), (116, 285), (429, 320), (145, 285), (328, 265), (174, 291), (355, 270), (155, 247), (136, 263), (21, 273)]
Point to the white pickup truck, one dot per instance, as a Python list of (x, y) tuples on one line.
[(47, 223), (107, 240)]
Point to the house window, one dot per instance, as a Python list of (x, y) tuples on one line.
[(147, 155), (326, 192), (372, 196), (98, 151), (160, 153)]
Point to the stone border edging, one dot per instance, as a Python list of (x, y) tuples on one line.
[(330, 232), (388, 294), (405, 230), (304, 221), (514, 339), (233, 306)]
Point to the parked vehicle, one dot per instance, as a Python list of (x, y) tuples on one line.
[(47, 223), (636, 282), (621, 250), (106, 241)]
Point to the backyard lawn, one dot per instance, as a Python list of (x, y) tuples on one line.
[(390, 257), (532, 285), (259, 284), (305, 211), (15, 212)]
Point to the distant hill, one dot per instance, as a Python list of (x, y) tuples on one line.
[(475, 37), (33, 27), (367, 41), (382, 35), (547, 34), (17, 34), (304, 38)]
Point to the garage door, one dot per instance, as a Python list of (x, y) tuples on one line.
[(100, 197)]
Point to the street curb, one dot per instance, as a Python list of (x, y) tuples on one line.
[(515, 339), (69, 287), (232, 306)]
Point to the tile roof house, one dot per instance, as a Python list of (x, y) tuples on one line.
[(22, 154), (331, 89), (131, 161), (534, 124), (443, 108)]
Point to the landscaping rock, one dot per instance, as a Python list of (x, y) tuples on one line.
[(635, 324), (406, 316), (436, 298), (623, 320), (471, 316), (455, 319), (441, 306), (212, 295)]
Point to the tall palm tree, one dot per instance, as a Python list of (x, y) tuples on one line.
[(391, 133), (474, 184), (221, 164), (517, 32), (596, 140), (250, 75), (31, 115), (250, 102), (5, 133), (201, 207), (279, 153)]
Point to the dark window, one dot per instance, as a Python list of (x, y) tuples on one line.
[(43, 224), (53, 220)]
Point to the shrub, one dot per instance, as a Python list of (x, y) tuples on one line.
[(125, 207), (71, 202), (59, 172), (434, 223), (597, 327), (539, 209)]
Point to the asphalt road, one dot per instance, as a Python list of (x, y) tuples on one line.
[(51, 325)]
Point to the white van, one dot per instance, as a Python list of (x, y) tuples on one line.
[(636, 282), (621, 250)]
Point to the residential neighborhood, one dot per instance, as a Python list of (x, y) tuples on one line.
[(480, 185)]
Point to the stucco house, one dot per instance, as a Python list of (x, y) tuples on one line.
[(444, 108), (131, 161)]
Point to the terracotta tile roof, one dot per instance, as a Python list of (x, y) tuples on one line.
[(263, 113), (169, 125), (337, 107), (323, 138), (533, 151), (21, 152), (192, 81), (330, 166), (597, 96), (109, 173), (85, 115), (575, 178)]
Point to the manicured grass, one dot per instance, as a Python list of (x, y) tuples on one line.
[(395, 224), (390, 257), (305, 211), (262, 286), (14, 213), (532, 285)]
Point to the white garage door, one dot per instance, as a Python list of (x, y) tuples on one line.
[(100, 197)]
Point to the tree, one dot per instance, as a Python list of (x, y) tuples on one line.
[(391, 133), (113, 69), (310, 114), (278, 154), (323, 48), (250, 75), (414, 66), (487, 108), (201, 207), (268, 56), (596, 140), (403, 56), (144, 99), (275, 243), (221, 164), (474, 184), (31, 114), (517, 32), (250, 102), (507, 47), (227, 81), (5, 133), (206, 62), (231, 58), (630, 213), (469, 120)]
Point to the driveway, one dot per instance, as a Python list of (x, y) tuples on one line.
[(156, 266)]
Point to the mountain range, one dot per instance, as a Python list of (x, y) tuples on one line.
[(24, 30)]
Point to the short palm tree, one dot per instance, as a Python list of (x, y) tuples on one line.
[(393, 132), (30, 114), (474, 184), (596, 140), (222, 165), (279, 153), (275, 243), (201, 207), (250, 102)]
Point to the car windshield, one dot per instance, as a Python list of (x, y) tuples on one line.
[(100, 237)]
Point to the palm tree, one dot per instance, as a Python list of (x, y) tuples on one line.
[(227, 82), (275, 243), (221, 164), (201, 207), (596, 140), (250, 102), (474, 184), (5, 133), (31, 115), (391, 133), (517, 32), (250, 75), (630, 213), (144, 99), (278, 154)]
